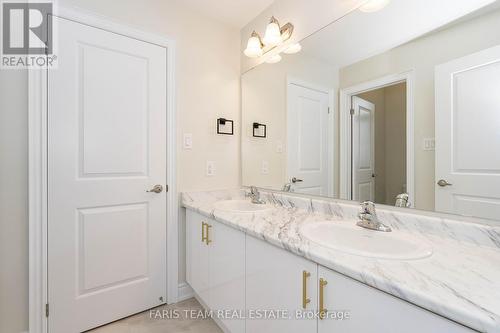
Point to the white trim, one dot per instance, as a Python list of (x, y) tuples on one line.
[(345, 129), (185, 292), (37, 133), (38, 169), (331, 127)]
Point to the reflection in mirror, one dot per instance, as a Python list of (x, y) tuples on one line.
[(369, 111)]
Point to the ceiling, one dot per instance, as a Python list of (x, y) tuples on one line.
[(233, 12)]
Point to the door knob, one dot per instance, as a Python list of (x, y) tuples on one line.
[(156, 189), (443, 183), (296, 180)]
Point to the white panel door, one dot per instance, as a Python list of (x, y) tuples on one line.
[(363, 150), (106, 147), (468, 135), (308, 156), (275, 282)]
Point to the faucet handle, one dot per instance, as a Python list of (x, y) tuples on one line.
[(368, 207)]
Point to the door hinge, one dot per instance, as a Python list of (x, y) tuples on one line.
[(352, 112), (166, 188), (47, 310), (328, 110)]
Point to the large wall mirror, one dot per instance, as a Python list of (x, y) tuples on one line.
[(390, 106)]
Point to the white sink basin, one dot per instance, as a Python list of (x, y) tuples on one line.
[(240, 206), (347, 237)]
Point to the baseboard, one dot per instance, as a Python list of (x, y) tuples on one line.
[(184, 292)]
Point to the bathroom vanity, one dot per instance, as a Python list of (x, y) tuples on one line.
[(381, 107), (245, 259)]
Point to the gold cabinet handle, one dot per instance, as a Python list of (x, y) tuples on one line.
[(207, 236), (203, 237), (305, 300), (322, 310)]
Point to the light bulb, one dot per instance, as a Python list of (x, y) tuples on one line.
[(374, 5), (274, 59), (294, 48), (272, 37), (254, 48)]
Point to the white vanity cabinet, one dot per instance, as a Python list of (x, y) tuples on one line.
[(280, 281), (215, 258), (373, 311), (232, 271), (197, 255)]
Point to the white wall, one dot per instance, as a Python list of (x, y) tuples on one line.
[(422, 55), (13, 201), (263, 100), (207, 73)]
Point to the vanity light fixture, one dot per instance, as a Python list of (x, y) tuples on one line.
[(373, 5), (274, 36), (294, 48), (254, 46), (274, 59)]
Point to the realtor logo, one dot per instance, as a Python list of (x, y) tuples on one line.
[(27, 35), (27, 28)]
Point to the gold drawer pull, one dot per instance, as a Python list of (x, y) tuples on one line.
[(207, 237), (322, 310), (203, 237), (305, 300)]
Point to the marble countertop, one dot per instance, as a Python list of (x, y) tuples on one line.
[(460, 281)]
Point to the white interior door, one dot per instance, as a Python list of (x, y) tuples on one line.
[(106, 147), (468, 135), (363, 150), (308, 156)]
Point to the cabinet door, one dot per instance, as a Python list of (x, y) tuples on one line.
[(197, 256), (373, 311), (275, 282), (227, 275)]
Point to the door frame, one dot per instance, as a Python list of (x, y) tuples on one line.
[(37, 169), (346, 95), (331, 127)]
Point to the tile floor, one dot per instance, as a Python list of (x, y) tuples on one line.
[(143, 323)]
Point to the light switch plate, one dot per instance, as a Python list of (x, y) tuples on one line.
[(279, 147), (264, 168), (210, 168), (187, 141), (429, 144)]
